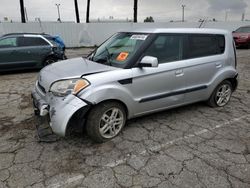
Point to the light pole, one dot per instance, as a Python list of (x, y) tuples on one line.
[(183, 12), (58, 11)]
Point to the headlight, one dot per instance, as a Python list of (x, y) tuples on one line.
[(66, 87)]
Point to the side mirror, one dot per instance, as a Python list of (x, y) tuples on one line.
[(149, 61)]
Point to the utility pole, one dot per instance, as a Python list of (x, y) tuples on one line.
[(243, 17), (58, 11), (87, 13), (135, 10), (183, 12), (77, 12), (22, 11), (226, 15)]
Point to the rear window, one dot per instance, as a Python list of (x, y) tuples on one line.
[(32, 41), (205, 45), (243, 30)]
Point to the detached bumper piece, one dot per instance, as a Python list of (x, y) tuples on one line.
[(44, 131)]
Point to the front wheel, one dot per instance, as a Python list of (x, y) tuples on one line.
[(221, 95), (105, 121)]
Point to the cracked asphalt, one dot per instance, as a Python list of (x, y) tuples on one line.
[(192, 146)]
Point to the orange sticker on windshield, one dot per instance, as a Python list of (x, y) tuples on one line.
[(122, 56)]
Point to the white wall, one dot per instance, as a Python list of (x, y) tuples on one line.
[(76, 35)]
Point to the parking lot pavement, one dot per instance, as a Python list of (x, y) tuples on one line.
[(191, 146)]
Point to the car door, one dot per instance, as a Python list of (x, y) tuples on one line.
[(205, 60), (161, 87), (8, 47), (34, 49)]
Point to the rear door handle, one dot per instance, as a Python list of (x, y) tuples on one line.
[(179, 73)]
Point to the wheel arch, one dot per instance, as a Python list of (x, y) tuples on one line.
[(78, 119), (115, 100), (234, 82)]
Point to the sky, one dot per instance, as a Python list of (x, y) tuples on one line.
[(160, 10)]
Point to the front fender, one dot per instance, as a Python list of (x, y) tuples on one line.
[(112, 91)]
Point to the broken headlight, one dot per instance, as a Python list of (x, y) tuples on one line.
[(66, 87)]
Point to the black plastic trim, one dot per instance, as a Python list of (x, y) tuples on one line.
[(172, 94)]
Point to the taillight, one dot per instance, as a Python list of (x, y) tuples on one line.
[(54, 48)]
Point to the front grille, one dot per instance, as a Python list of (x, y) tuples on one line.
[(41, 87)]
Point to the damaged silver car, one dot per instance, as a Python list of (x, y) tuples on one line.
[(133, 74)]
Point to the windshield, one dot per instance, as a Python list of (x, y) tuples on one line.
[(243, 30), (119, 49)]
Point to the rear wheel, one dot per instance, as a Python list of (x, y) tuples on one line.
[(105, 121), (221, 95), (49, 60)]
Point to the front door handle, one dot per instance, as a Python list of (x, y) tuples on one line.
[(218, 65), (179, 73)]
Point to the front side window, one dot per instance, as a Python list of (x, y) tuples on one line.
[(119, 49), (166, 48), (205, 45), (8, 42)]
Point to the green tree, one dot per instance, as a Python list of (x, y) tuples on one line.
[(149, 19)]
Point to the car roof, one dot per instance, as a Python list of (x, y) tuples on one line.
[(181, 30), (22, 34), (245, 26)]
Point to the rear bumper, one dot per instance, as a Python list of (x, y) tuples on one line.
[(59, 109), (241, 43)]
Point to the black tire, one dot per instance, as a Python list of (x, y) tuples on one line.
[(95, 122), (49, 60), (213, 100)]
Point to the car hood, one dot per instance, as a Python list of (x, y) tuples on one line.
[(72, 68)]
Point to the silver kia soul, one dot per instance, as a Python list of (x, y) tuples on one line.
[(133, 74)]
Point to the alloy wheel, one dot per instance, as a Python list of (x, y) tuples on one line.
[(111, 123), (223, 95)]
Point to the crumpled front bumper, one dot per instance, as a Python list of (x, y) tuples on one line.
[(59, 109)]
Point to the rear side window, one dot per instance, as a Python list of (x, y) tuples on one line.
[(205, 45), (31, 41)]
